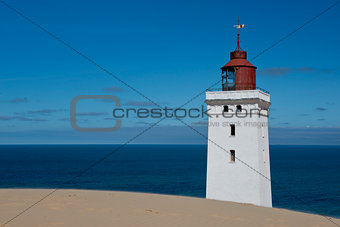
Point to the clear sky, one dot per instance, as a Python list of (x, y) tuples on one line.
[(169, 51)]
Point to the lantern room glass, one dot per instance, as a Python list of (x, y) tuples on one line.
[(228, 80)]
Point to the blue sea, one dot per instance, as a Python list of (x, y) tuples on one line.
[(305, 178)]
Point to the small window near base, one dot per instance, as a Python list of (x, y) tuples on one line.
[(225, 108), (232, 130), (232, 156)]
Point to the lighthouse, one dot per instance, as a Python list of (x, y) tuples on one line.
[(238, 167)]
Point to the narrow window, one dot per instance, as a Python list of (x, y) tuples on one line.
[(232, 130), (239, 108), (225, 108), (232, 156), (231, 79)]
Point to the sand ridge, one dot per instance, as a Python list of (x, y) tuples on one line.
[(113, 208)]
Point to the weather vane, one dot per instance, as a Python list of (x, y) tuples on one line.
[(238, 26)]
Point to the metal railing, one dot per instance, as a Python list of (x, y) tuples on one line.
[(263, 90), (220, 89)]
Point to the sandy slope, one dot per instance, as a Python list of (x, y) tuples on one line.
[(110, 208)]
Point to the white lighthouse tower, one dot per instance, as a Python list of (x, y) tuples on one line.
[(238, 167)]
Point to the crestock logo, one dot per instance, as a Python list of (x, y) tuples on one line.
[(166, 112), (73, 113), (119, 113), (160, 113)]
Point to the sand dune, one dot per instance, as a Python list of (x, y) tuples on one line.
[(111, 208)]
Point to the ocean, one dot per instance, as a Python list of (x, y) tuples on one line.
[(304, 178)]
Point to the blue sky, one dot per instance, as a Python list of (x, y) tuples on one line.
[(169, 51)]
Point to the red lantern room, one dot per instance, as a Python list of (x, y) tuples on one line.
[(238, 73)]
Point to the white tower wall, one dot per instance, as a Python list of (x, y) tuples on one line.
[(247, 180)]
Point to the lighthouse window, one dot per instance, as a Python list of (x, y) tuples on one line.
[(232, 156), (239, 108), (231, 79), (225, 108), (232, 130)]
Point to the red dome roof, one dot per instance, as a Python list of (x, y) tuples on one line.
[(238, 62)]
